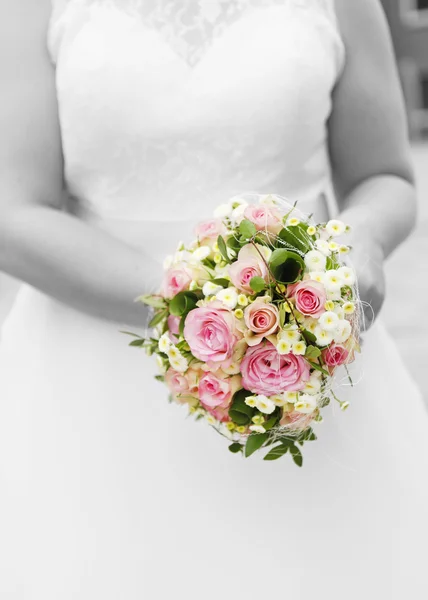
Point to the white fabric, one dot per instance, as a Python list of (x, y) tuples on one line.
[(108, 491)]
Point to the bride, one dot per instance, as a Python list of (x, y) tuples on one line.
[(149, 113)]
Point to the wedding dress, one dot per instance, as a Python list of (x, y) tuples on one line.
[(168, 108)]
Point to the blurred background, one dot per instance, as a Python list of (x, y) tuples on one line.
[(407, 323)]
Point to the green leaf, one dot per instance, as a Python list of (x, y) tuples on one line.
[(254, 442), (296, 237), (223, 248), (282, 315), (312, 352), (239, 412), (297, 455), (318, 368), (233, 243), (277, 452), (223, 282), (182, 303), (182, 324), (159, 378), (310, 338), (247, 229), (286, 266), (131, 334), (257, 284), (236, 447), (154, 301), (137, 343), (159, 317), (273, 420)]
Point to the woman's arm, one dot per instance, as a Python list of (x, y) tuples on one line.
[(369, 145), (39, 243)]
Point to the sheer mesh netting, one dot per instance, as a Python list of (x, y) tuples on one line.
[(189, 26)]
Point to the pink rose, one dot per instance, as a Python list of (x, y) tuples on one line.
[(173, 326), (214, 391), (335, 355), (264, 218), (176, 279), (249, 264), (183, 387), (310, 297), (262, 319), (210, 230), (296, 420), (266, 372), (211, 334)]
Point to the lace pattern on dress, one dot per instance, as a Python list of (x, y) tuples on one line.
[(188, 26)]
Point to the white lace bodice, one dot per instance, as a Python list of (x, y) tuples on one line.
[(171, 106)]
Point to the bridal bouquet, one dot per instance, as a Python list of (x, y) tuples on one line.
[(252, 322)]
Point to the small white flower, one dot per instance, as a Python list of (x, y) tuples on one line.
[(211, 289), (317, 276), (210, 419), (347, 274), (242, 300), (229, 297), (265, 405), (222, 211), (164, 343), (290, 333), (173, 352), (310, 324), (311, 230), (333, 246), (230, 253), (160, 363), (251, 401), (335, 227), (313, 385), (349, 308), (329, 321), (291, 397), (344, 249), (299, 348), (339, 311), (257, 429), (279, 400), (306, 404), (283, 347), (179, 364), (322, 246), (292, 222), (238, 212), (333, 281), (344, 330), (202, 252), (168, 261), (268, 200), (323, 337), (315, 261)]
